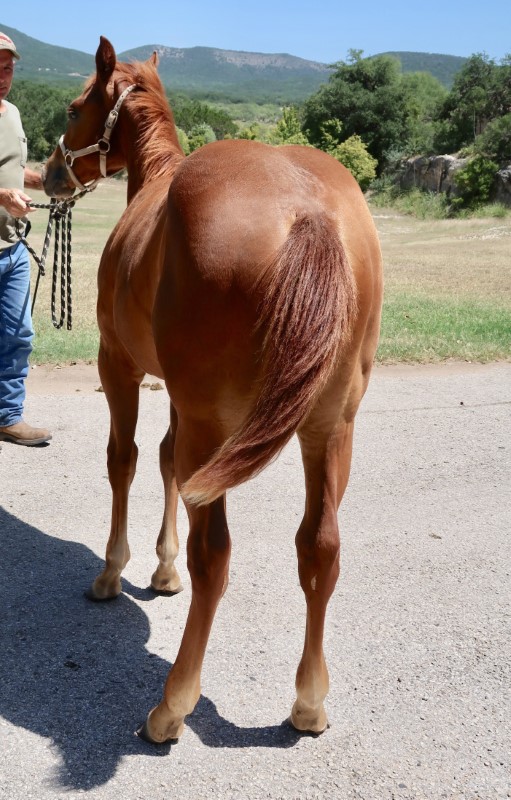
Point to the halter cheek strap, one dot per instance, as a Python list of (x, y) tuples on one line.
[(102, 146)]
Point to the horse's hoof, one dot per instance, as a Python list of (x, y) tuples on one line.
[(143, 733), (158, 729), (164, 592), (90, 595), (166, 581), (305, 721)]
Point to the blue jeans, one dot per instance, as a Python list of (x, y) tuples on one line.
[(16, 332)]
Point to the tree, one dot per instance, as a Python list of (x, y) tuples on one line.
[(368, 96), (425, 95), (495, 142), (481, 92)]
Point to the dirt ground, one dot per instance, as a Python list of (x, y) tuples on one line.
[(81, 377), (417, 635)]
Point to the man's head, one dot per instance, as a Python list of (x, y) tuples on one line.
[(6, 44), (7, 55)]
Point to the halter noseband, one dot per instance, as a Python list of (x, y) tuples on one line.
[(102, 146)]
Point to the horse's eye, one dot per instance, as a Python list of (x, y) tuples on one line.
[(72, 113)]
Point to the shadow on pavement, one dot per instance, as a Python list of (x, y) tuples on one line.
[(78, 673)]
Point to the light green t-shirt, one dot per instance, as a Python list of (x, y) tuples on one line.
[(13, 160)]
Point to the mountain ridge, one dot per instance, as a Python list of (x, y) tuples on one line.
[(244, 74)]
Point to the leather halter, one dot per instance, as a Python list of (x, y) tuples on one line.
[(102, 146)]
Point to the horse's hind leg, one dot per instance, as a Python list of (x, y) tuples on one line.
[(121, 382), (208, 551), (326, 459), (166, 578)]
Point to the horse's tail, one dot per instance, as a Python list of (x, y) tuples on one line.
[(307, 314)]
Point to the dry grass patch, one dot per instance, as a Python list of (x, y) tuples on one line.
[(464, 258)]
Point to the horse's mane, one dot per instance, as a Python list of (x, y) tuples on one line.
[(158, 140)]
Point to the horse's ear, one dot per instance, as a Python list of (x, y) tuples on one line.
[(154, 60), (105, 59)]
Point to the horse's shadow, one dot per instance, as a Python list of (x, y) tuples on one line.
[(78, 672)]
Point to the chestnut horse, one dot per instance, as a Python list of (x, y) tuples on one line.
[(249, 278)]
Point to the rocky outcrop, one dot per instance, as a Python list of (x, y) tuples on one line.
[(438, 174), (431, 173)]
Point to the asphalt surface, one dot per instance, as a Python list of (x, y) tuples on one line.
[(417, 638)]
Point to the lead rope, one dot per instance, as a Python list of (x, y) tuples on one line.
[(61, 214)]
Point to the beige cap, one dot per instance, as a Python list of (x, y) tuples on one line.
[(7, 44)]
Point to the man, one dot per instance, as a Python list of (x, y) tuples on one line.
[(16, 332)]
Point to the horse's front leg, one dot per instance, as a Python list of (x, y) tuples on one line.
[(166, 578), (121, 382)]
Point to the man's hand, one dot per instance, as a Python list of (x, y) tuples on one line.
[(15, 202), (32, 179)]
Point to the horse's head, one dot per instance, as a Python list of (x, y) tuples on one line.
[(89, 149)]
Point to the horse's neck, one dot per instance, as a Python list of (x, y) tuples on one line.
[(138, 177)]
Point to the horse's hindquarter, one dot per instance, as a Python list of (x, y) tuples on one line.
[(128, 277), (231, 207)]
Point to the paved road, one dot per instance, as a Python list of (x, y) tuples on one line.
[(417, 637)]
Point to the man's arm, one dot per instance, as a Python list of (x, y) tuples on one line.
[(33, 179)]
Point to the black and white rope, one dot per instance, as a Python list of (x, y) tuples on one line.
[(61, 215)]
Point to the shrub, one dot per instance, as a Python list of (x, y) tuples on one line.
[(495, 142), (288, 130), (183, 140), (200, 135), (475, 182), (354, 155)]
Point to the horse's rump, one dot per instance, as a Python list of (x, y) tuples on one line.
[(306, 316)]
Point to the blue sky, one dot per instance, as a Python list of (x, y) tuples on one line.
[(320, 30)]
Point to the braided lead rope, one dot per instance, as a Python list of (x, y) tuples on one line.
[(61, 214), (62, 228)]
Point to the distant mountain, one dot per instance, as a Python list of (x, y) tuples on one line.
[(40, 61), (210, 71)]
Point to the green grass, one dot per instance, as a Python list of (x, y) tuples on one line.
[(52, 346), (426, 330)]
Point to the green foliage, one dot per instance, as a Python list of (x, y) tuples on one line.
[(480, 94), (415, 202), (475, 182), (353, 154), (255, 132), (369, 97), (183, 140), (425, 94), (288, 129), (200, 135), (495, 142), (442, 67), (189, 113)]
